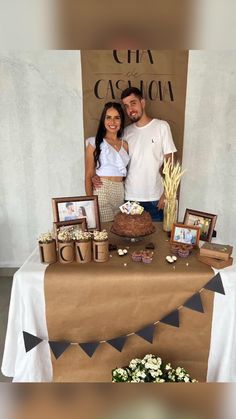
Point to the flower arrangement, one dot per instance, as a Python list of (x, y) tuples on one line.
[(64, 235), (80, 235), (46, 237), (150, 369), (100, 235)]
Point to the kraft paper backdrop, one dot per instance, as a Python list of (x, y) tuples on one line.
[(101, 301), (161, 74)]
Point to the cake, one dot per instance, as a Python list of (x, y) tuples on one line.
[(136, 225)]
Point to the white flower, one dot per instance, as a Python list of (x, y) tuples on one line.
[(150, 365), (64, 235), (159, 380), (150, 369), (78, 235), (46, 237), (154, 373), (133, 363), (100, 235)]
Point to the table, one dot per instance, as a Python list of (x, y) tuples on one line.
[(27, 312)]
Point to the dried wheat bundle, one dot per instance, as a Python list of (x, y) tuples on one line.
[(172, 175)]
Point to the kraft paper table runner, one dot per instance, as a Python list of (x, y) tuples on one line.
[(101, 301)]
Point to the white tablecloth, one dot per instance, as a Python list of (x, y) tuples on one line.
[(27, 312)]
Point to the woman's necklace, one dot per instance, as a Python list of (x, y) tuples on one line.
[(112, 143)]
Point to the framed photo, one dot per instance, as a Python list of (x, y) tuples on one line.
[(205, 221), (72, 208), (184, 234), (80, 224)]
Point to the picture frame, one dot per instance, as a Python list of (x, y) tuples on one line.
[(204, 220), (184, 234), (81, 223), (72, 208)]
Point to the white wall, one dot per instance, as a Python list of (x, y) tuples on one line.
[(210, 140), (42, 144)]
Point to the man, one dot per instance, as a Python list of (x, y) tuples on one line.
[(188, 237), (70, 212), (150, 141)]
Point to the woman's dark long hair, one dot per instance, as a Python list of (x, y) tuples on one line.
[(102, 130)]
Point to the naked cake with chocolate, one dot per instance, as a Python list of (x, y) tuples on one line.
[(133, 225)]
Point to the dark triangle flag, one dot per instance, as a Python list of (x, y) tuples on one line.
[(147, 333), (89, 348), (30, 341), (195, 303), (172, 318), (118, 343), (215, 284), (58, 348)]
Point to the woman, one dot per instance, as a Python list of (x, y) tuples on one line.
[(107, 156)]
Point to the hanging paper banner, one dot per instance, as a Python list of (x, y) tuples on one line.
[(89, 348), (215, 284), (194, 303), (58, 348), (147, 333), (30, 341), (171, 319), (118, 343)]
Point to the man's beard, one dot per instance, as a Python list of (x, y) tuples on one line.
[(136, 118)]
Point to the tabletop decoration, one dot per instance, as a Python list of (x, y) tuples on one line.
[(122, 252), (181, 250), (171, 259), (147, 333), (150, 369), (47, 248), (131, 208), (144, 256), (100, 246), (83, 247), (66, 247), (172, 175)]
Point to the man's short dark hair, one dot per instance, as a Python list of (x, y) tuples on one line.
[(131, 91), (68, 204)]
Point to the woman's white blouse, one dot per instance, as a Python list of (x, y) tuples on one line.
[(112, 162)]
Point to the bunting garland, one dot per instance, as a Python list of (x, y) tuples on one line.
[(58, 348), (171, 318), (215, 284), (30, 341), (195, 303), (118, 343), (147, 333)]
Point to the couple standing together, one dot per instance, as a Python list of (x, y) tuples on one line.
[(125, 163)]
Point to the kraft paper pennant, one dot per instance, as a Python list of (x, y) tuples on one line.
[(118, 343), (171, 319), (30, 341), (58, 348), (195, 303), (215, 284), (89, 348), (147, 333)]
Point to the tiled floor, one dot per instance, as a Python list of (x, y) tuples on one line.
[(5, 290)]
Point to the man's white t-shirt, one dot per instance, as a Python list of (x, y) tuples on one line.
[(147, 147)]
